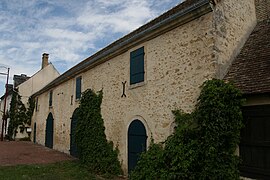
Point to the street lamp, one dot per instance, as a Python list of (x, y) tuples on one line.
[(4, 118)]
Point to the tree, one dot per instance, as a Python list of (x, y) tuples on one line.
[(20, 116)]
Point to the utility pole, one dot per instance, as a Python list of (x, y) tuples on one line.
[(4, 118)]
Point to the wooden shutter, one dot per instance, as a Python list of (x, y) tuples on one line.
[(50, 98), (78, 87), (137, 66)]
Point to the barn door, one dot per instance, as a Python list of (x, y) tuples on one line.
[(35, 132), (73, 146), (255, 142), (136, 143), (49, 131)]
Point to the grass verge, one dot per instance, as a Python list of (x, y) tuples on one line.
[(68, 170)]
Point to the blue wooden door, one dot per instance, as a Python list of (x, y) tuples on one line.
[(49, 131), (73, 146), (136, 143), (35, 132)]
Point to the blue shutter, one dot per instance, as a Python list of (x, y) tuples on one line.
[(78, 87), (50, 98), (137, 66)]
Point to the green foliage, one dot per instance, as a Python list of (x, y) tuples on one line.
[(220, 118), (94, 149), (67, 170), (152, 164), (20, 116), (204, 142)]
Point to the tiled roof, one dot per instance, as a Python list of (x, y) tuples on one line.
[(250, 71)]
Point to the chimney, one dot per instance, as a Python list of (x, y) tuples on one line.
[(45, 60)]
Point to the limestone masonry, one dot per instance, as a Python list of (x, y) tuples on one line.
[(178, 57)]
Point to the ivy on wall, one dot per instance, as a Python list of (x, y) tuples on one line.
[(94, 149), (20, 116), (204, 142)]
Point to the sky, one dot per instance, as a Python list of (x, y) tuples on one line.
[(68, 30)]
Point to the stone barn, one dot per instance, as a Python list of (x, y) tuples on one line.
[(146, 74)]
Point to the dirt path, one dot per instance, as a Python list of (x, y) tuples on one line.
[(22, 152)]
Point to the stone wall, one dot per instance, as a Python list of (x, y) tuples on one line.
[(34, 84), (233, 22), (253, 100), (176, 65), (61, 109), (37, 82)]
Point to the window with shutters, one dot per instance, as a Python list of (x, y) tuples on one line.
[(50, 98), (137, 66), (78, 87)]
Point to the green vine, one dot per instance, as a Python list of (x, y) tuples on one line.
[(204, 142), (20, 116), (94, 149)]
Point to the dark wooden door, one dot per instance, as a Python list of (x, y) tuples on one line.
[(136, 143), (255, 142), (73, 146), (49, 131), (35, 132)]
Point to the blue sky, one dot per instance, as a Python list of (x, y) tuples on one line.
[(69, 30)]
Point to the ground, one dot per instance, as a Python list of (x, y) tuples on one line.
[(24, 152)]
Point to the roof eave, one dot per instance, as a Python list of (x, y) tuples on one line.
[(188, 14)]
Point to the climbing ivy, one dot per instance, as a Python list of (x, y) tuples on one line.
[(20, 116), (204, 142), (94, 149)]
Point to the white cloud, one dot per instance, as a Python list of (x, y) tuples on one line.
[(126, 16), (68, 30)]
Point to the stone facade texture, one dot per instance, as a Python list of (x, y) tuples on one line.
[(176, 64)]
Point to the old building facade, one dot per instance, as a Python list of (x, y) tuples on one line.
[(147, 74), (30, 85), (250, 72), (5, 99)]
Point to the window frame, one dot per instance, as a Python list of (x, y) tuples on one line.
[(50, 98), (137, 73), (78, 90)]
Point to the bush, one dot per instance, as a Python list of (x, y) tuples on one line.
[(204, 142), (94, 150)]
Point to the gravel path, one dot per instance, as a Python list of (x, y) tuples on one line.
[(22, 152)]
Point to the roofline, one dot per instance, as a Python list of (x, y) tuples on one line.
[(247, 94), (30, 78), (184, 16)]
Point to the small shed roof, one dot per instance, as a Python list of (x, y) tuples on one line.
[(250, 71)]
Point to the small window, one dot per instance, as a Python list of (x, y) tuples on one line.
[(137, 66), (78, 87), (36, 104), (50, 98), (71, 100)]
